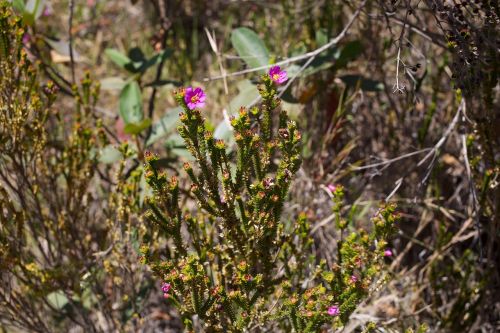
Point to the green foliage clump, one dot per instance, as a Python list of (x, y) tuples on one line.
[(233, 263), (64, 260)]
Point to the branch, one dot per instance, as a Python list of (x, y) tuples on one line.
[(71, 56)]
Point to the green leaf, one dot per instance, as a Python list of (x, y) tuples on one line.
[(324, 61), (339, 58), (248, 93), (175, 145), (131, 103), (57, 299), (250, 47), (136, 128), (328, 276), (164, 125), (33, 10), (156, 59), (135, 61), (18, 5), (136, 55), (110, 155), (246, 97), (348, 53), (321, 37), (364, 83), (113, 83), (28, 18), (117, 57)]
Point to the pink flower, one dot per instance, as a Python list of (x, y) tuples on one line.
[(353, 279), (26, 38), (388, 253), (47, 11), (165, 287), (277, 75), (194, 98), (332, 187), (333, 310)]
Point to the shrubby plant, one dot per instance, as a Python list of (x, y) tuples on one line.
[(67, 259), (232, 264)]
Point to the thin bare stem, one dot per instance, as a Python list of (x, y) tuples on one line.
[(70, 32)]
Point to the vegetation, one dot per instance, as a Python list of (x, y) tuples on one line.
[(279, 166)]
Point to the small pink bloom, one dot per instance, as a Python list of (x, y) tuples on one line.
[(47, 11), (333, 310), (165, 295), (194, 98), (165, 287), (332, 187), (26, 38), (353, 279), (388, 253), (277, 75)]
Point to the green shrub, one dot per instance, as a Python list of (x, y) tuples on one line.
[(232, 263), (66, 251)]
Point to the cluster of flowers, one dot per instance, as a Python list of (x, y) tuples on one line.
[(165, 288)]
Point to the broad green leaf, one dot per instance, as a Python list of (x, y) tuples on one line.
[(349, 53), (324, 61), (18, 5), (247, 95), (164, 125), (156, 59), (250, 47), (364, 83), (28, 18), (117, 57), (321, 37), (33, 10), (136, 55), (131, 103), (292, 70), (175, 145), (135, 61), (113, 83), (57, 299), (110, 155), (136, 128), (332, 57)]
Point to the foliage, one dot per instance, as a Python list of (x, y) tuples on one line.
[(61, 259), (396, 101), (240, 265)]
